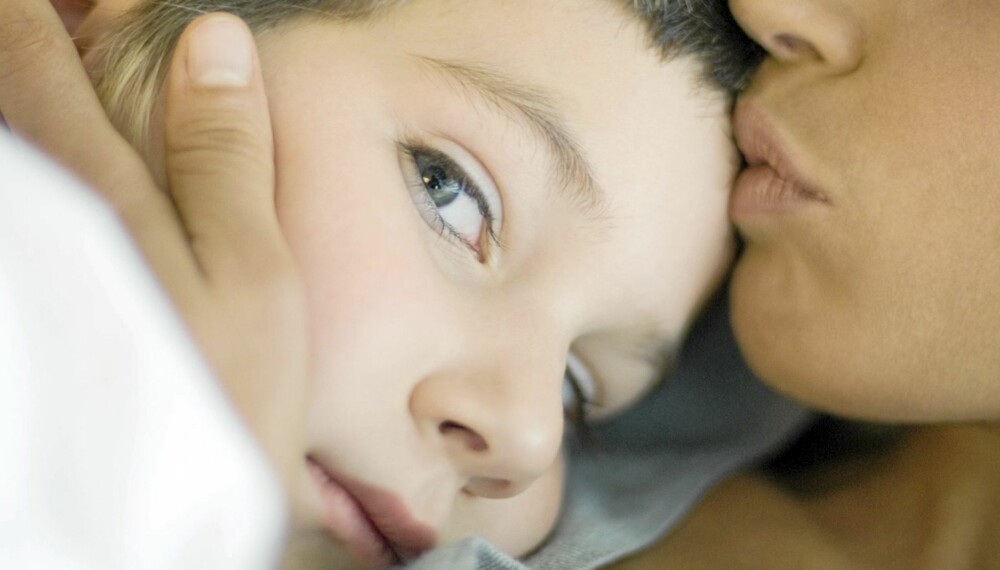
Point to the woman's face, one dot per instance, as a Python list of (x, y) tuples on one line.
[(474, 191), (869, 284)]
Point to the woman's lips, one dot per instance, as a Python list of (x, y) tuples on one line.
[(372, 524), (772, 182), (761, 189)]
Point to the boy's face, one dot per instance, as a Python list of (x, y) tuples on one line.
[(431, 181), (473, 191)]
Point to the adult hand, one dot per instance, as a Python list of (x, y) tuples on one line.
[(212, 237)]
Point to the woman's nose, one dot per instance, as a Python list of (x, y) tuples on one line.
[(500, 431), (797, 31)]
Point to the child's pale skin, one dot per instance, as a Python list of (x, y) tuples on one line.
[(438, 361)]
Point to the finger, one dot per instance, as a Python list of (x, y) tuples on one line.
[(220, 159), (46, 97), (72, 12), (220, 168)]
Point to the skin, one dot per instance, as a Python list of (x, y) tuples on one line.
[(231, 277), (879, 303), (438, 361), (481, 343), (936, 493), (883, 303)]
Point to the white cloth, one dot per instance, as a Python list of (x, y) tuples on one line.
[(117, 448)]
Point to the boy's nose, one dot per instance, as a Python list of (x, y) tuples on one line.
[(792, 31), (500, 432)]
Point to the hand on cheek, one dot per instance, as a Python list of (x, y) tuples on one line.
[(238, 287), (212, 238)]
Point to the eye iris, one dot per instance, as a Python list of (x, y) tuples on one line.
[(442, 189)]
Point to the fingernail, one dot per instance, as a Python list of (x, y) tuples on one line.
[(220, 53)]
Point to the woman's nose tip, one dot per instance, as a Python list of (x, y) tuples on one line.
[(803, 31)]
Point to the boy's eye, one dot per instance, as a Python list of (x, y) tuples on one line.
[(442, 188), (450, 202)]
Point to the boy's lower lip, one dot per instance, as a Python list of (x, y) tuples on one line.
[(374, 524), (346, 521), (760, 192)]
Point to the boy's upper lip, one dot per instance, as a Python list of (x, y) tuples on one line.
[(761, 144), (386, 513)]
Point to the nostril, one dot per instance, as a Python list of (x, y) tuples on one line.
[(792, 46), (468, 436), (490, 488)]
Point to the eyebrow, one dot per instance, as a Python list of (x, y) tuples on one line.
[(532, 106)]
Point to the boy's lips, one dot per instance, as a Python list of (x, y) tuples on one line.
[(373, 524), (772, 181)]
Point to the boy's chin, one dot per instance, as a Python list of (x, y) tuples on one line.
[(314, 549)]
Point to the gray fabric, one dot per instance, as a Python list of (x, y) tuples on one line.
[(654, 462)]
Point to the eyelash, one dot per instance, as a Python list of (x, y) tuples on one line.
[(413, 153)]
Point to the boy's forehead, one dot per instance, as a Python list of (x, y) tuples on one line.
[(581, 74), (630, 129), (584, 67), (638, 140), (571, 43)]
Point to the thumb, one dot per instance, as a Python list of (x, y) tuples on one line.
[(219, 153), (220, 172), (72, 12)]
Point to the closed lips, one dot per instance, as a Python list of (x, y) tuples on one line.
[(373, 524)]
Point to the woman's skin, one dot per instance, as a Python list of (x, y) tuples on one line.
[(875, 293), (882, 301), (219, 156)]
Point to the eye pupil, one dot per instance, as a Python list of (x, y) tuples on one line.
[(442, 188), (432, 177)]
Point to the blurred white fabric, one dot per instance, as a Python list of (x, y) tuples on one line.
[(117, 448)]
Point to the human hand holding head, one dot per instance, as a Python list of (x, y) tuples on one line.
[(212, 239)]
